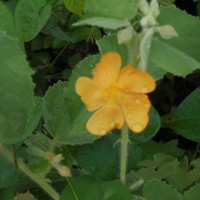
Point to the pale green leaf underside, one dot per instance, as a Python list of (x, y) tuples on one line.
[(111, 14), (116, 9), (178, 55), (104, 22), (172, 59), (187, 27)]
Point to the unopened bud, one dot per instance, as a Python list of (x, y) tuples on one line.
[(25, 196), (154, 7), (144, 6), (64, 171), (148, 20), (166, 31), (125, 35)]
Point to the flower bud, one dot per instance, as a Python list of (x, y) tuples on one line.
[(125, 35), (64, 171), (166, 31)]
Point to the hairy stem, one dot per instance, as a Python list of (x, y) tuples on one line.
[(124, 153)]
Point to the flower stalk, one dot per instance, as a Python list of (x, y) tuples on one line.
[(124, 153)]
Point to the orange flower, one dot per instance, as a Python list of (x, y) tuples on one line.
[(117, 95)]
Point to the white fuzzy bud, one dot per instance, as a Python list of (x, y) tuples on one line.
[(64, 171), (154, 8), (125, 35), (166, 31), (144, 6), (148, 20)]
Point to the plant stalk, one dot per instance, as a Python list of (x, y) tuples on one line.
[(124, 153), (22, 167)]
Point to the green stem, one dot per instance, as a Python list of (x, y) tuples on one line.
[(124, 153), (39, 180), (72, 189), (53, 62), (145, 45), (132, 52)]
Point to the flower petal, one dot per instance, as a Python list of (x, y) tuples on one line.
[(90, 93), (136, 108), (107, 70), (105, 119), (135, 81)]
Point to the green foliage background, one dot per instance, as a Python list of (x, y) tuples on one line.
[(45, 45)]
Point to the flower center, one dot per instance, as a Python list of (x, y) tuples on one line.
[(113, 94)]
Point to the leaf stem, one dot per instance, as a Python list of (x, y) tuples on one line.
[(59, 54), (23, 167), (124, 153)]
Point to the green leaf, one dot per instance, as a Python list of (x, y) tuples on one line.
[(115, 190), (102, 13), (16, 102), (186, 118), (179, 55), (64, 114), (40, 140), (76, 109), (75, 6), (188, 39), (6, 22), (7, 193), (161, 167), (156, 190), (8, 171), (151, 147), (56, 117), (182, 177), (58, 33), (196, 163), (193, 193), (30, 17), (84, 68), (41, 166), (78, 133), (87, 188), (166, 1), (90, 34), (151, 129), (92, 157), (110, 43), (135, 154), (180, 63), (35, 114), (84, 187), (156, 72), (112, 9)]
